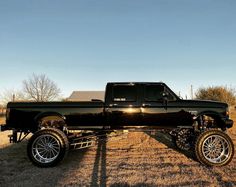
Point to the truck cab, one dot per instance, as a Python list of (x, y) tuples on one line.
[(155, 105)]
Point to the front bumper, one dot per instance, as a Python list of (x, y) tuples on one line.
[(228, 123)]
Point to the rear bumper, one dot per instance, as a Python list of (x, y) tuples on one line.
[(3, 128)]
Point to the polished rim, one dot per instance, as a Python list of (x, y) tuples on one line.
[(46, 148), (216, 149)]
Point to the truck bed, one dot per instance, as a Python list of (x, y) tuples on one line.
[(26, 115)]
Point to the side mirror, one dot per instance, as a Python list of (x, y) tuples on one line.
[(165, 95)]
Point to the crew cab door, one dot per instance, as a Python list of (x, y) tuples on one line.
[(162, 108), (123, 108), (153, 107)]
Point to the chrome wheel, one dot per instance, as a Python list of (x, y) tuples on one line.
[(45, 148), (216, 149)]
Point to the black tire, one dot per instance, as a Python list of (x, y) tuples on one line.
[(184, 139), (214, 148), (47, 147)]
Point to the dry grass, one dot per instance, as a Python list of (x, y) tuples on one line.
[(2, 120), (133, 159)]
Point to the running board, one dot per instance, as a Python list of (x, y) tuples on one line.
[(84, 142)]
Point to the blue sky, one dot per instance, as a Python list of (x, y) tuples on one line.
[(82, 44)]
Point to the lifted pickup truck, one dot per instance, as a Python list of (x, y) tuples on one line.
[(56, 126)]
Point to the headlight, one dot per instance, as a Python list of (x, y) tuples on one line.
[(227, 112)]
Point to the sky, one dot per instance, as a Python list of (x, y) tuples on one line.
[(83, 44)]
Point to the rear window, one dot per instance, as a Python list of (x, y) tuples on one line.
[(124, 93)]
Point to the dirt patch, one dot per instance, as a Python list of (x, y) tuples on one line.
[(133, 159), (2, 120)]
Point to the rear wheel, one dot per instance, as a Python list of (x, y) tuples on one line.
[(214, 148), (47, 147)]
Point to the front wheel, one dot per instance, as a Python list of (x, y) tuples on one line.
[(214, 148), (47, 147)]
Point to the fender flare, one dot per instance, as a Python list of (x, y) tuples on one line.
[(209, 113), (47, 114), (217, 116)]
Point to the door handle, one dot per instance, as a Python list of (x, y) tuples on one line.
[(111, 105), (146, 105)]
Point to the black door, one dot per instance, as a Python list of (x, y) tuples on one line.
[(124, 108), (162, 108), (153, 107)]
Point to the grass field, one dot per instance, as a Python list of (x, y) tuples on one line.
[(132, 159)]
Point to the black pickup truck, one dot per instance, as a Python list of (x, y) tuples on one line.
[(57, 126)]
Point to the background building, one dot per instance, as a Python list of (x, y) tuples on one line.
[(86, 95)]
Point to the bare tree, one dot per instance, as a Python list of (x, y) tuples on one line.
[(11, 95), (217, 93), (40, 88)]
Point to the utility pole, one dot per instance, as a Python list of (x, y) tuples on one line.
[(13, 97), (191, 91)]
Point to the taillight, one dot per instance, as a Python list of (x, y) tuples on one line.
[(8, 113)]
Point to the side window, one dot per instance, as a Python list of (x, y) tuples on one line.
[(170, 97), (124, 93), (153, 93)]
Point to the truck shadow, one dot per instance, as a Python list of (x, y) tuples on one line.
[(195, 183), (167, 140), (17, 170), (100, 161)]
